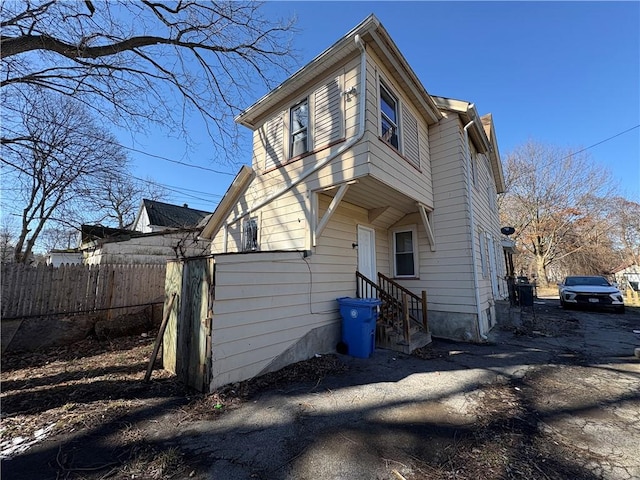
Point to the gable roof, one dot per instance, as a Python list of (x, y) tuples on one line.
[(171, 216), (482, 133), (375, 37)]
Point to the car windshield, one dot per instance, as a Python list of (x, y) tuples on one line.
[(592, 281)]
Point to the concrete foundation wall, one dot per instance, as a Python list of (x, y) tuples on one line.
[(453, 326), (319, 340)]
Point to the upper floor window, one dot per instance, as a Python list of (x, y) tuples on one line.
[(299, 124), (388, 117)]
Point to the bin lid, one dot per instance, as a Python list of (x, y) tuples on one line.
[(358, 302)]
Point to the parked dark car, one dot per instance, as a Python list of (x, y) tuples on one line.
[(590, 291)]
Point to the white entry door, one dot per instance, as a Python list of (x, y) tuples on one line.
[(367, 253)]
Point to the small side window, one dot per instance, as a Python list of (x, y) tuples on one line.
[(299, 123), (405, 252), (250, 234)]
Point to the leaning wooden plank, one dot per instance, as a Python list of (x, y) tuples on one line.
[(156, 346)]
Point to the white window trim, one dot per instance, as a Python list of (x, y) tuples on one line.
[(414, 240), (383, 83), (483, 254), (242, 233), (290, 132)]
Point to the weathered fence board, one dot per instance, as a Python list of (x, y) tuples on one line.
[(44, 290)]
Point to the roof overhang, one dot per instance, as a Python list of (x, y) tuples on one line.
[(374, 36), (482, 133), (238, 187), (508, 245), (494, 153)]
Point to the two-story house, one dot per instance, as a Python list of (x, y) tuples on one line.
[(361, 183)]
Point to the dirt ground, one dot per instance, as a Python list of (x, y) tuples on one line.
[(570, 409)]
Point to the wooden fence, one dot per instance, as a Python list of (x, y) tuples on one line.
[(72, 289)]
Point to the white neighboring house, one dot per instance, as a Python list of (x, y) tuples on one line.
[(628, 276), (63, 257), (154, 216), (161, 232), (355, 168)]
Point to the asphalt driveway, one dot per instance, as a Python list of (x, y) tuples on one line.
[(555, 395)]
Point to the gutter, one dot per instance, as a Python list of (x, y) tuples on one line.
[(324, 162), (472, 225)]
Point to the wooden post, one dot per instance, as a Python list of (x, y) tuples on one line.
[(405, 318), (156, 346), (424, 311)]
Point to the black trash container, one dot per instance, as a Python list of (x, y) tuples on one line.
[(525, 295)]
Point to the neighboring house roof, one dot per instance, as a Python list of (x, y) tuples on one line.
[(171, 216), (375, 37), (626, 266), (89, 233)]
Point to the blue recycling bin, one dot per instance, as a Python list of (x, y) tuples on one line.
[(359, 317)]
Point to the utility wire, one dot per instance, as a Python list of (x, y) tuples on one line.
[(600, 142)]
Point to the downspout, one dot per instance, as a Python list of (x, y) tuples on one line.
[(342, 149), (473, 227)]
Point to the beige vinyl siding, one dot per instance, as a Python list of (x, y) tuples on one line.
[(329, 123), (449, 280), (410, 136), (266, 302), (282, 225), (487, 223), (327, 114), (409, 171), (263, 307), (274, 141)]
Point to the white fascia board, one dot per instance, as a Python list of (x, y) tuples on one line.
[(238, 187)]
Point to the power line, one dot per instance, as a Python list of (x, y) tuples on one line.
[(208, 201), (186, 164), (600, 142), (175, 189)]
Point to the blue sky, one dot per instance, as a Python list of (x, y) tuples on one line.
[(565, 74)]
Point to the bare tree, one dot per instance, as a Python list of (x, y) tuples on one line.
[(146, 61), (57, 161), (121, 198), (553, 200), (7, 240), (624, 216)]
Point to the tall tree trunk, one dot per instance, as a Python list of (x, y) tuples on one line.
[(541, 273)]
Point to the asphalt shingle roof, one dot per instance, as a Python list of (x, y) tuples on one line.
[(172, 216)]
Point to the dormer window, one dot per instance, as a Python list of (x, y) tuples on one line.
[(388, 117), (299, 123)]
